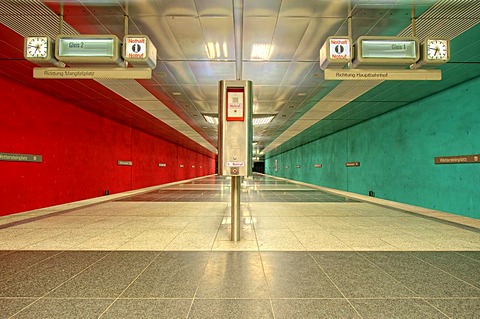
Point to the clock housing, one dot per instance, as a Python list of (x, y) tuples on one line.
[(435, 51), (40, 49)]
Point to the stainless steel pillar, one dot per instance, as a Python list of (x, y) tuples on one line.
[(235, 208)]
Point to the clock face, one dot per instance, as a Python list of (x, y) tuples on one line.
[(437, 50), (37, 47)]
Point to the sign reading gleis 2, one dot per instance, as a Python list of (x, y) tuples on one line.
[(85, 49)]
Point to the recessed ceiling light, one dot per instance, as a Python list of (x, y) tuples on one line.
[(212, 119), (261, 51), (263, 119), (258, 119)]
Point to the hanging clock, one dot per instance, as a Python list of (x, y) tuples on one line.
[(435, 51), (40, 50)]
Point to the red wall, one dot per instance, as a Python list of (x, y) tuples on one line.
[(80, 152)]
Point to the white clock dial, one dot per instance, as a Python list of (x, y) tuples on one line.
[(37, 47), (437, 50)]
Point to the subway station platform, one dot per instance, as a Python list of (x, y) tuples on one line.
[(165, 252)]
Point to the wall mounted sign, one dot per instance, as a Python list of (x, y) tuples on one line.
[(11, 157), (87, 49), (459, 159), (125, 163), (235, 104), (383, 74), (352, 164), (318, 165), (92, 73)]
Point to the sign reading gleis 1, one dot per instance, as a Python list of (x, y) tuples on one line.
[(373, 50)]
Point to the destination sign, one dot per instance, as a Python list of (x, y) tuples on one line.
[(383, 74), (92, 73), (88, 49)]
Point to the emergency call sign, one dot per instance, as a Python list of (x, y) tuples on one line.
[(340, 49), (336, 52), (139, 50), (235, 104), (136, 48)]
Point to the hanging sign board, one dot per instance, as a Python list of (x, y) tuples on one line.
[(88, 49), (92, 73), (235, 104), (374, 50), (139, 50), (383, 74), (336, 52)]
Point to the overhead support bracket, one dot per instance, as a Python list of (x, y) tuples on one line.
[(238, 30)]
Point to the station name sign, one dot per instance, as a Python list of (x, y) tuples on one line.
[(460, 159), (11, 157)]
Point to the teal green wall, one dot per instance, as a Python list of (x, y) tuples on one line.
[(397, 151)]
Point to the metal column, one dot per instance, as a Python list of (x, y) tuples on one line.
[(235, 208)]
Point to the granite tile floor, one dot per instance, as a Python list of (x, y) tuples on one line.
[(304, 253)]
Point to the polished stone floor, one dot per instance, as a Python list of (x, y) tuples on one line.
[(304, 253)]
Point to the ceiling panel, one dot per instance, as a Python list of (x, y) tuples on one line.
[(287, 37)]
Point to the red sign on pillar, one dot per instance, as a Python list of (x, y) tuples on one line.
[(235, 104)]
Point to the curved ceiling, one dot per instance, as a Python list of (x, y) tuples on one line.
[(196, 46)]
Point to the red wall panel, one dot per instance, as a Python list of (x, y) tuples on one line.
[(80, 152)]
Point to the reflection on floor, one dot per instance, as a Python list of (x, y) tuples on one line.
[(303, 254)]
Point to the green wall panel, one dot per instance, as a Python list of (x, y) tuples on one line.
[(396, 152)]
